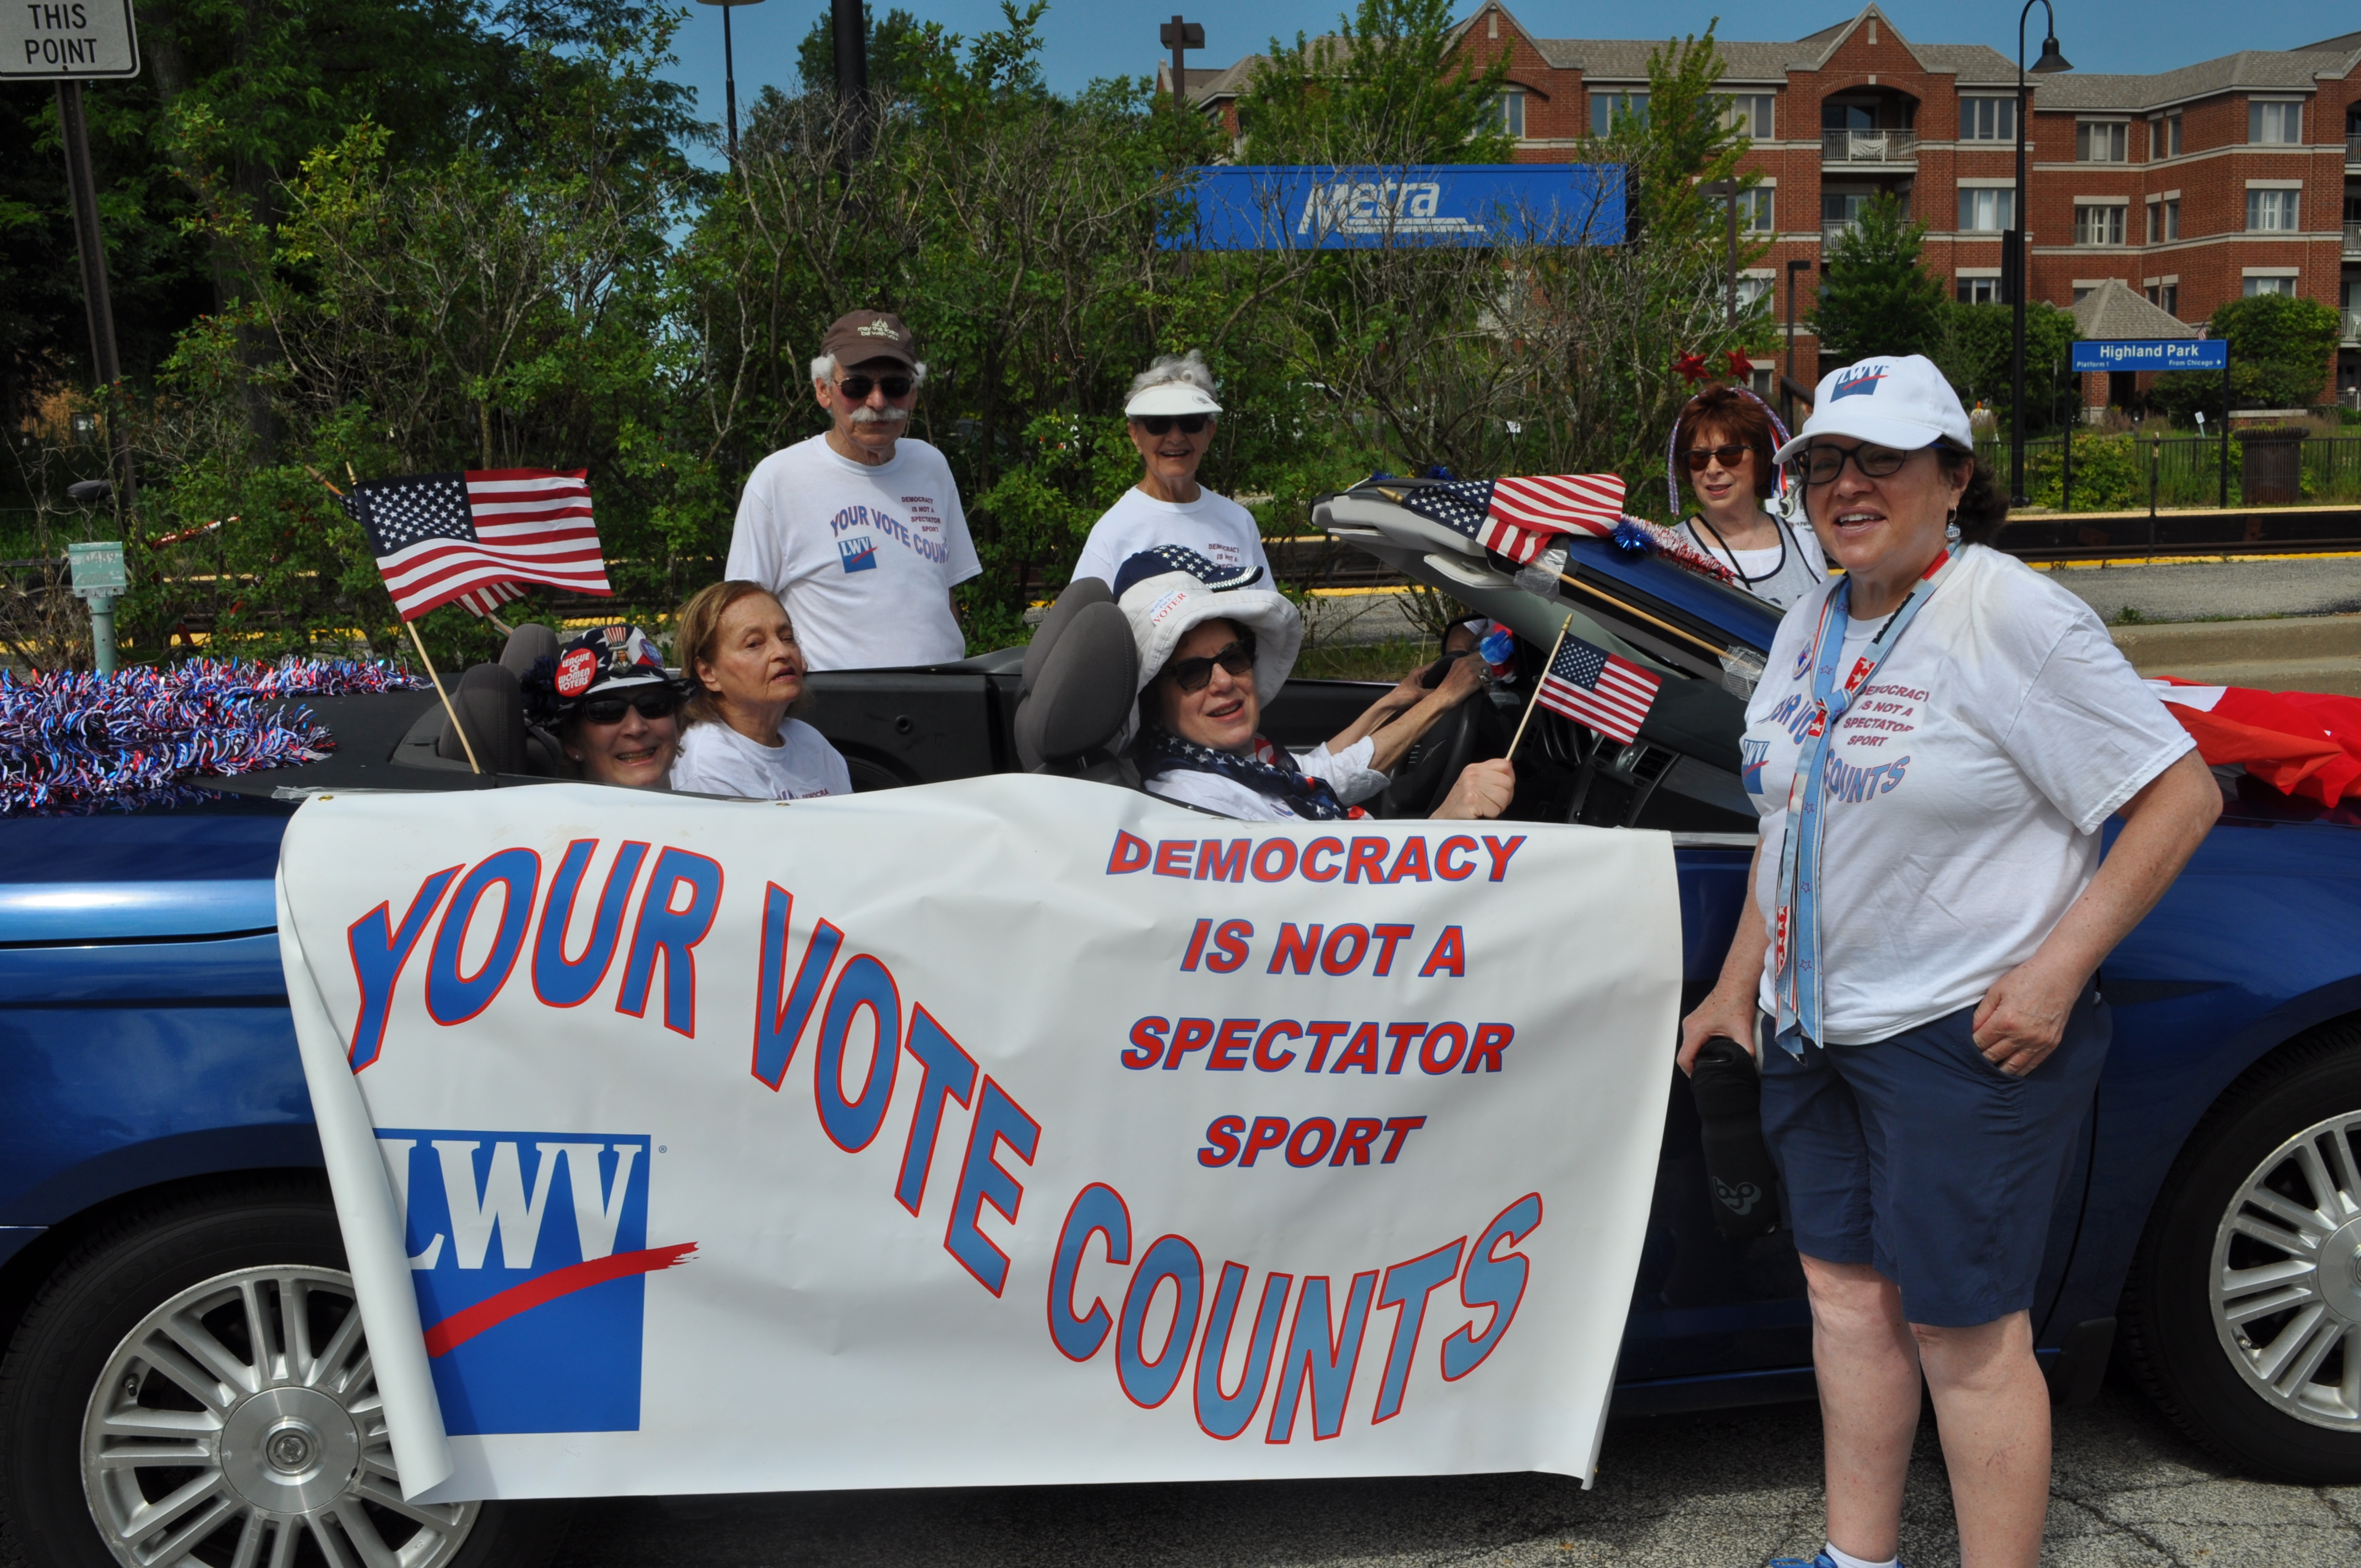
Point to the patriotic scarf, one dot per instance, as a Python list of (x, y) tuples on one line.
[(1269, 771)]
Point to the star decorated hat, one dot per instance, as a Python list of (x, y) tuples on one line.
[(1169, 591)]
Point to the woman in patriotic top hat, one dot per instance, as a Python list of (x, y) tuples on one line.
[(614, 707), (1724, 439), (1934, 747), (1213, 650)]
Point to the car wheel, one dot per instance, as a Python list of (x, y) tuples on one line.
[(2243, 1309), (192, 1387)]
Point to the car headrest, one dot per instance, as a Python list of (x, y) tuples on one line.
[(490, 703), (528, 644), (1083, 693), (1080, 592)]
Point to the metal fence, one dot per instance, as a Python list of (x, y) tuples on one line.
[(2123, 472)]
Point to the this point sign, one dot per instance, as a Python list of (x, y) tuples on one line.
[(57, 40)]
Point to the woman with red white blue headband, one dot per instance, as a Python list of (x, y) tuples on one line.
[(1938, 737), (1722, 440)]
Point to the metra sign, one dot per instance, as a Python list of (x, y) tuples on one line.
[(1309, 207)]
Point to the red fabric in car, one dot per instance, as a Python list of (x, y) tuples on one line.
[(2301, 744)]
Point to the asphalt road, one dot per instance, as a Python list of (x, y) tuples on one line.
[(2243, 589), (1733, 1488)]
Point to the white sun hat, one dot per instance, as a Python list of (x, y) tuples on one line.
[(1174, 384), (1169, 591), (1898, 401)]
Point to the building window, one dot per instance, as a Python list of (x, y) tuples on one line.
[(1512, 114), (2276, 123), (2171, 218), (1980, 292), (2271, 212), (2095, 224), (1750, 288), (1607, 108), (2101, 141), (1749, 115), (1987, 119), (2269, 286), (2165, 297), (2155, 227), (2173, 134), (1755, 210), (1985, 210)]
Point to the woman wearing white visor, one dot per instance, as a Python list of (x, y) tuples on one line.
[(1938, 738), (1172, 412)]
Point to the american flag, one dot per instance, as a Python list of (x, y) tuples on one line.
[(1518, 516), (474, 536), (1592, 686)]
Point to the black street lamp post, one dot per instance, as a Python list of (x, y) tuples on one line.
[(730, 72), (2015, 265)]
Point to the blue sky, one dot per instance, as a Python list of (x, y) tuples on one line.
[(1111, 38)]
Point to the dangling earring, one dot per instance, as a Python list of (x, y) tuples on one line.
[(1951, 526)]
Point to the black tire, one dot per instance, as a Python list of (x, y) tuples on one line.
[(2192, 1357), (107, 1285)]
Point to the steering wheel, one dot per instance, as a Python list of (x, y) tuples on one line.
[(1434, 762)]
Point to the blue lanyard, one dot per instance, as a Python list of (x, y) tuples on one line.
[(1797, 976)]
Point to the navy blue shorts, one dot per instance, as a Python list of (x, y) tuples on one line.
[(1919, 1157)]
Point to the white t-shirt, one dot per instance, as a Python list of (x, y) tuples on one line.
[(716, 759), (1966, 787), (1214, 526), (864, 558), (1343, 771), (1780, 575)]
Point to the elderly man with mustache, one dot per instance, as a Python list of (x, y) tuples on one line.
[(859, 530)]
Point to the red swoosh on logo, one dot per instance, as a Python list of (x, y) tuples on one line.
[(469, 1322)]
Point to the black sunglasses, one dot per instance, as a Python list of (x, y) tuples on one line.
[(1728, 456), (653, 702), (1821, 465), (857, 387), (1192, 675), (1157, 424)]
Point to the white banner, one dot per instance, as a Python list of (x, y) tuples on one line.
[(1007, 1131)]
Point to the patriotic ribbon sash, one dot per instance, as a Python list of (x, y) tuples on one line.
[(1797, 976)]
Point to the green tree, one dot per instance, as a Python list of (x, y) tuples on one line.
[(896, 44), (1877, 298), (2280, 351), (1388, 88), (1971, 348)]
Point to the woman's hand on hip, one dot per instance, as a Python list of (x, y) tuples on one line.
[(1721, 1016), (2023, 1016)]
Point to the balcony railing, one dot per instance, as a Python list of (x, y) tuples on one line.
[(2350, 321), (2352, 147), (1834, 229), (2353, 240), (1869, 146)]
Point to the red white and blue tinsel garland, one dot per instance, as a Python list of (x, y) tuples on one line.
[(71, 742)]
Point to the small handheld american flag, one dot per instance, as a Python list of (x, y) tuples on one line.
[(1519, 517), (1592, 686), (474, 536)]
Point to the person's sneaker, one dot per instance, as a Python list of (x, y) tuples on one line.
[(1817, 1560)]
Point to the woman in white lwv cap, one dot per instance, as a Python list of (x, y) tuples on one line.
[(1172, 412), (1938, 740)]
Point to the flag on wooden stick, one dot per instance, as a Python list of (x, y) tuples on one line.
[(1592, 686), (473, 537)]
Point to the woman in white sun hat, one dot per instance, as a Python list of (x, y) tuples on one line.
[(1172, 413), (1938, 737), (1213, 650)]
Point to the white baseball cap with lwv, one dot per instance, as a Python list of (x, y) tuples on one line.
[(1899, 400)]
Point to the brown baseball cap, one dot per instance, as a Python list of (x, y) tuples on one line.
[(864, 335)]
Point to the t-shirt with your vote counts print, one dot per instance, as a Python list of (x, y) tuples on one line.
[(863, 557), (1965, 787)]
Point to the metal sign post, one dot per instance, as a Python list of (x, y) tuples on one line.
[(99, 579), (729, 73), (67, 43)]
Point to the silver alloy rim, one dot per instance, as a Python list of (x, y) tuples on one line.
[(239, 1421), (2287, 1276)]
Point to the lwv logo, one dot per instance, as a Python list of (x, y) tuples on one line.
[(532, 1292)]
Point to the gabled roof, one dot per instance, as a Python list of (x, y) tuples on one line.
[(1626, 59), (2113, 311), (2283, 71)]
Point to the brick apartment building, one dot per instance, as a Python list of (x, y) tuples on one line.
[(2237, 175)]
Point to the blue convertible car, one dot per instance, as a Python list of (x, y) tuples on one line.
[(186, 1380)]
